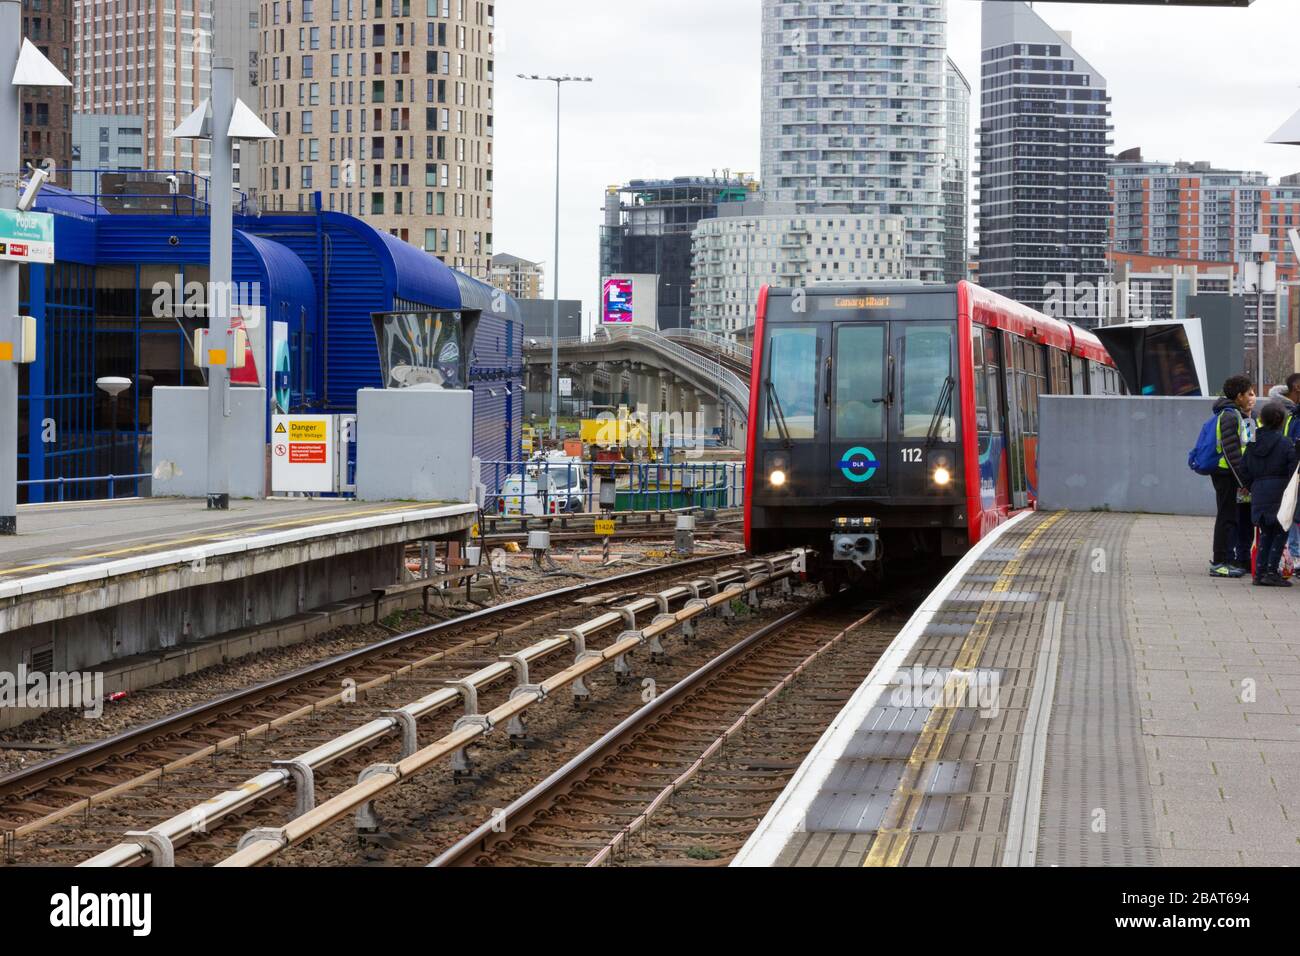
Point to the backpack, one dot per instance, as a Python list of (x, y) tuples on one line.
[(1204, 456)]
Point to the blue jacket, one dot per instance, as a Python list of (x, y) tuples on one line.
[(1270, 460)]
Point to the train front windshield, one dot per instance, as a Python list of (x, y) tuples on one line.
[(885, 380), (794, 354), (928, 402)]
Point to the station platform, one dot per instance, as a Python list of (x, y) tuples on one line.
[(128, 535), (1076, 692), (151, 588)]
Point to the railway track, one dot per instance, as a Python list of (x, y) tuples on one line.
[(52, 794), (259, 769), (686, 778)]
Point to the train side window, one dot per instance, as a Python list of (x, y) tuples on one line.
[(1078, 375), (993, 379)]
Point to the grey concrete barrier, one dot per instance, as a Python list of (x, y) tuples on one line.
[(1122, 453)]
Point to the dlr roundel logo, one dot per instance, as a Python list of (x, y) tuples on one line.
[(859, 464)]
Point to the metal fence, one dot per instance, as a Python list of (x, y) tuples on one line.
[(111, 481), (574, 487)]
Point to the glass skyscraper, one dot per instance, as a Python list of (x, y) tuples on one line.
[(1044, 133), (956, 177), (854, 102)]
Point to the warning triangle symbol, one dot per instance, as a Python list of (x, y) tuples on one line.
[(279, 429)]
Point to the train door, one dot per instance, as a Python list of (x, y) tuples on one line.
[(859, 391), (989, 417), (1014, 398)]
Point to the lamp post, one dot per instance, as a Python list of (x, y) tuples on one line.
[(1288, 134), (113, 386), (223, 120), (559, 82), (21, 64), (678, 287)]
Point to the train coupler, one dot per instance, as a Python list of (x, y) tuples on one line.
[(856, 540)]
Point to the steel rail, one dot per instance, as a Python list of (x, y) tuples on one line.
[(261, 845), (482, 838), (94, 754), (197, 820)]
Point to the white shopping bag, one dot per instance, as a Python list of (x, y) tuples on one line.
[(1286, 513)]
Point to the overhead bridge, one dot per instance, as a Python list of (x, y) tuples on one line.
[(684, 370)]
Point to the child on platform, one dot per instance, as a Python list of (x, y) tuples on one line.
[(1269, 463)]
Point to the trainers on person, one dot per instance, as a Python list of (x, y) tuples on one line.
[(1236, 571), (1220, 571)]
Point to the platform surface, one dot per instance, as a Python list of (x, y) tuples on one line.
[(1078, 692), (76, 535)]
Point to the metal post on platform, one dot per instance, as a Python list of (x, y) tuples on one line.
[(21, 64), (222, 120), (221, 224), (10, 157)]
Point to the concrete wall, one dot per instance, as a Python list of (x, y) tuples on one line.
[(1121, 454), (180, 436), (415, 445)]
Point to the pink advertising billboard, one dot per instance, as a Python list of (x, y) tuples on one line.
[(617, 306)]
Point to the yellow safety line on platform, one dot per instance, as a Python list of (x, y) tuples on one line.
[(219, 536), (895, 833)]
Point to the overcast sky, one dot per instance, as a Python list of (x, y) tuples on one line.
[(676, 93)]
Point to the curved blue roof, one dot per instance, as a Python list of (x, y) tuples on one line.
[(285, 271), (480, 296), (409, 273)]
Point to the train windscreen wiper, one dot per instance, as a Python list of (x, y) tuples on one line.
[(775, 403), (944, 404)]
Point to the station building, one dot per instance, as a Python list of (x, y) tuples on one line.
[(129, 288)]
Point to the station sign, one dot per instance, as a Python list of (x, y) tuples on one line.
[(26, 236), (303, 453)]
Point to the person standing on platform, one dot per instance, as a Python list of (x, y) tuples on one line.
[(1229, 560), (1289, 396), (1270, 461)]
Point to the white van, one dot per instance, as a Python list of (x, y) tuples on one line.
[(521, 497)]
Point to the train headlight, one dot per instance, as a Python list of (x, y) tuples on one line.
[(777, 466), (940, 463)]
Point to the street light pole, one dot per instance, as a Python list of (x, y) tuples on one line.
[(219, 279), (224, 120), (21, 64), (559, 81), (10, 158)]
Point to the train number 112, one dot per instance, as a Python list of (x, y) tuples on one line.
[(912, 455)]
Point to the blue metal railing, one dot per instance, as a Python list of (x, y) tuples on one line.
[(64, 482), (570, 487), (144, 192)]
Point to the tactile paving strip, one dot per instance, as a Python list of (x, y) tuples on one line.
[(1097, 807), (951, 808)]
